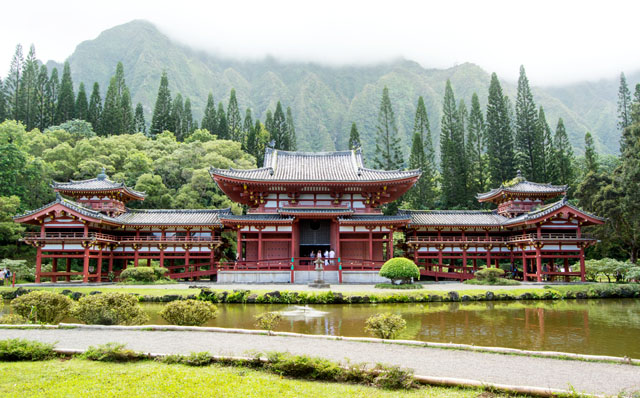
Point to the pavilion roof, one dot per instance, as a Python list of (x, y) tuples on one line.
[(454, 218), (548, 209), (174, 217), (328, 211), (100, 183), (520, 185), (71, 205), (339, 166)]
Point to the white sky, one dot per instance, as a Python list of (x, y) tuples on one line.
[(557, 41)]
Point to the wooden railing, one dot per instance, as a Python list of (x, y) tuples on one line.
[(549, 236), (299, 264), (119, 239), (497, 239)]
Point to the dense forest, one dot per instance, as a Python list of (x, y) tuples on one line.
[(53, 132)]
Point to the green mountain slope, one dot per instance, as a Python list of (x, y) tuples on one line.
[(324, 100)]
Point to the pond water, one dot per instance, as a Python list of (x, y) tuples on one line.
[(603, 327)]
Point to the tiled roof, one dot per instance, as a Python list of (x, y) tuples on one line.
[(521, 185), (102, 182), (315, 210), (256, 217), (548, 209), (173, 217), (454, 217), (374, 218), (340, 166), (71, 205)]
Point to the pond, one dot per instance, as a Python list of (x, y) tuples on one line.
[(602, 327)]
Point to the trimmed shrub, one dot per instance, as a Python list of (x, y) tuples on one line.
[(138, 274), (110, 309), (42, 307), (303, 366), (268, 320), (12, 319), (400, 287), (188, 312), (111, 352), (193, 359), (489, 274), (385, 326), (25, 350), (400, 270)]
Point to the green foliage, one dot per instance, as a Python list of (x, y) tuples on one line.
[(562, 157), (490, 275), (453, 165), (66, 99), (303, 366), (500, 148), (393, 377), (612, 269), (528, 135), (188, 312), (388, 154), (111, 352), (354, 137), (25, 350), (110, 308), (268, 320), (42, 306), (193, 359), (400, 269), (496, 282), (143, 274), (12, 319), (385, 326), (405, 286), (161, 119)]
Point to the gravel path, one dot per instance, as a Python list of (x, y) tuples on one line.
[(587, 377)]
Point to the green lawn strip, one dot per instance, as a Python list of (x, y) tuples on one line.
[(82, 378)]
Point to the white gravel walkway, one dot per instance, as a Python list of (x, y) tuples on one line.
[(584, 377)]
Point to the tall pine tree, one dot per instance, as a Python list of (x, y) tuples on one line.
[(354, 137), (209, 120), (94, 112), (126, 109), (66, 98), (562, 166), (421, 125), (547, 146), (161, 118), (41, 96), (82, 105), (234, 120), (28, 95), (291, 130), (187, 119), (280, 132), (222, 129), (247, 126), (111, 117), (12, 83), (590, 155), (139, 124), (53, 87), (388, 148), (3, 103), (452, 150), (477, 148), (499, 135), (528, 136), (177, 112), (624, 103)]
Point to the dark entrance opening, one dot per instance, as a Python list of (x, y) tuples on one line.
[(314, 235)]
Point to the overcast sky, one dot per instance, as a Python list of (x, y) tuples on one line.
[(557, 41)]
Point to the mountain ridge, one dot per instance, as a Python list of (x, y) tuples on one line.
[(325, 99)]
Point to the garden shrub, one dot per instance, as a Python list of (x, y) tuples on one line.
[(110, 308), (268, 320), (111, 352), (385, 326), (25, 350), (489, 274), (393, 377), (12, 319), (42, 307), (188, 312), (193, 359), (400, 270), (403, 286), (139, 274), (303, 366)]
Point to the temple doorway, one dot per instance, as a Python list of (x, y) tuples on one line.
[(315, 235)]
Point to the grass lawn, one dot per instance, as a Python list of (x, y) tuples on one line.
[(81, 378)]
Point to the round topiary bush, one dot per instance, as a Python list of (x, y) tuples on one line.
[(143, 274), (42, 306), (189, 312), (385, 326), (400, 270), (110, 309), (489, 274)]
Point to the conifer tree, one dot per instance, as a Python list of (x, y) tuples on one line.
[(635, 105), (27, 94), (3, 103), (528, 138), (499, 135), (140, 126), (247, 126), (187, 119), (547, 146), (291, 131), (562, 172), (53, 87), (126, 109), (12, 83), (590, 155), (354, 137), (222, 130), (268, 122), (209, 120), (41, 97), (82, 104), (388, 149), (94, 112), (624, 103), (111, 117), (66, 98), (177, 111), (477, 148), (252, 140), (234, 120), (421, 125), (280, 133), (452, 150), (161, 119)]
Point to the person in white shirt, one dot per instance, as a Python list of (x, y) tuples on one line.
[(326, 257), (332, 255)]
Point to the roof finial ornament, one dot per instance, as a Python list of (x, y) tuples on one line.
[(102, 175), (272, 144), (519, 175), (58, 197)]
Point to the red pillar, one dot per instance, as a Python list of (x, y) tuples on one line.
[(524, 264), (239, 245), (110, 269), (38, 263), (538, 264), (582, 270), (85, 266), (260, 245), (390, 245), (135, 255), (370, 245), (68, 269), (464, 261), (99, 278), (54, 268), (161, 248), (186, 259)]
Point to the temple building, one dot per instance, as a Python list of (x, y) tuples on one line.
[(301, 205)]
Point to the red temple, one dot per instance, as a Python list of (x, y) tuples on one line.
[(300, 204)]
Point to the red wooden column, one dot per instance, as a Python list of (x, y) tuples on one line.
[(260, 245), (464, 259), (186, 258), (582, 269), (54, 268), (238, 244), (68, 269), (294, 248), (524, 264), (38, 263), (371, 245), (110, 269), (161, 248), (99, 278), (538, 264), (85, 266), (135, 248), (390, 245)]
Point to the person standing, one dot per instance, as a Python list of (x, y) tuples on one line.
[(332, 255), (326, 257)]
